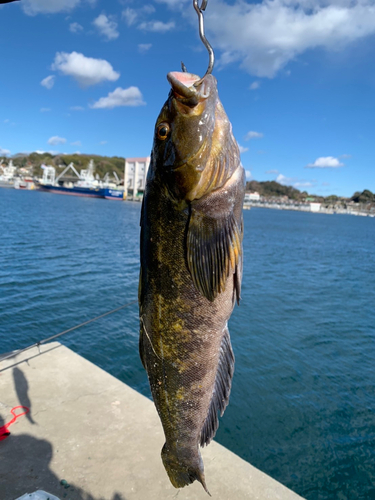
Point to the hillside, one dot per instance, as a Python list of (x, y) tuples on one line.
[(107, 164), (274, 189), (103, 164)]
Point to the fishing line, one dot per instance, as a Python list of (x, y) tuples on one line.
[(44, 341)]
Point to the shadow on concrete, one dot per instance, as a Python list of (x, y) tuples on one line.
[(22, 389), (25, 468)]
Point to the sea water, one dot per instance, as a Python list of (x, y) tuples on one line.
[(302, 407)]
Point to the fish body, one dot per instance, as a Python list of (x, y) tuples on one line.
[(191, 268)]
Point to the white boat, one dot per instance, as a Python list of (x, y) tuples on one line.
[(7, 174)]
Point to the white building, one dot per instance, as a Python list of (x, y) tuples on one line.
[(252, 196), (135, 175), (315, 207)]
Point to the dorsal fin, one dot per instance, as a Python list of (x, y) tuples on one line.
[(220, 396)]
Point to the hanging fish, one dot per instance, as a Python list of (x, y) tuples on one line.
[(191, 269)]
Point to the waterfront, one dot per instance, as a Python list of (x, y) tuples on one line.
[(302, 406)]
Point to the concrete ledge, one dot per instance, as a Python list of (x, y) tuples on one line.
[(101, 436)]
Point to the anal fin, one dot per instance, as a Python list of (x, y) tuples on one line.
[(222, 387)]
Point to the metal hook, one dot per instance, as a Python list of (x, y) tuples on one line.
[(199, 10)]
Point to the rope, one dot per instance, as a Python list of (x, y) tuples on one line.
[(44, 341), (4, 433)]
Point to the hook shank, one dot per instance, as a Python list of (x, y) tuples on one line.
[(199, 10)]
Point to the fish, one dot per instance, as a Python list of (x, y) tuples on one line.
[(191, 269), (8, 1)]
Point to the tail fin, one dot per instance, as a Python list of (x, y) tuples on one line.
[(184, 467)]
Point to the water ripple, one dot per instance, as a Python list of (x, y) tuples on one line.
[(302, 404)]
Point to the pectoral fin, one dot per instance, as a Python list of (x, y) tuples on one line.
[(214, 247)]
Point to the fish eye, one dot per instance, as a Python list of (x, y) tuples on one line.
[(163, 131)]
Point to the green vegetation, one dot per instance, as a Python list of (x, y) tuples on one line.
[(271, 189), (274, 189), (103, 164), (365, 197)]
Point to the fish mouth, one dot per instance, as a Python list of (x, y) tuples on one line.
[(184, 90)]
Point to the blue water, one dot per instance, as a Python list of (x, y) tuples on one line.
[(303, 401)]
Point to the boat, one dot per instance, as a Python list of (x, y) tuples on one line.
[(113, 194), (86, 185), (74, 191), (111, 190), (24, 183), (7, 174)]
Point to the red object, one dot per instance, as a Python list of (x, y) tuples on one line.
[(4, 433)]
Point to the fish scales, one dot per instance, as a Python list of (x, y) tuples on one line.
[(191, 268)]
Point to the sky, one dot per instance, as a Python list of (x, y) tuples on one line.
[(296, 78)]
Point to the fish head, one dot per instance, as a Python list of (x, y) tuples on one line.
[(188, 133)]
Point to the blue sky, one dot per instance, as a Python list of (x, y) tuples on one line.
[(296, 77)]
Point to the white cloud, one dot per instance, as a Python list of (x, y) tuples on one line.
[(77, 108), (292, 181), (107, 27), (144, 47), (48, 82), (325, 162), (55, 140), (130, 16), (75, 27), (272, 171), (264, 36), (6, 120), (86, 70), (33, 7), (45, 110), (120, 97), (303, 184), (103, 142), (148, 9), (253, 135), (157, 26), (248, 174), (242, 149), (254, 86), (174, 3), (4, 152), (76, 143), (281, 179)]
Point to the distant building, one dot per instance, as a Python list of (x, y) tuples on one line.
[(315, 207), (252, 196), (135, 176)]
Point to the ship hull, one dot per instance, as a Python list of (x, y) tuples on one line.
[(74, 191), (113, 194)]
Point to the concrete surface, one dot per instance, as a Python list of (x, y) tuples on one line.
[(101, 436)]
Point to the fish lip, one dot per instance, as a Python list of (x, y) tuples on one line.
[(184, 90)]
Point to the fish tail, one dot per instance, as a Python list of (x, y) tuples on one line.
[(184, 467)]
